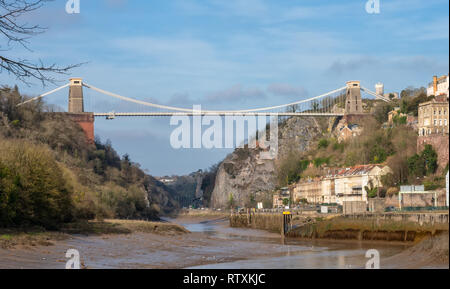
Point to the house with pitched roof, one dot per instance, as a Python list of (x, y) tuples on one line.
[(341, 185), (351, 183)]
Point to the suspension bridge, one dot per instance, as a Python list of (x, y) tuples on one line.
[(83, 107), (339, 102)]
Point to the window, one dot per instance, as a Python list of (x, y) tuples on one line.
[(445, 122), (440, 122)]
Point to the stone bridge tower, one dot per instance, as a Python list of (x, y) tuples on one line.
[(76, 104), (353, 101), (76, 109)]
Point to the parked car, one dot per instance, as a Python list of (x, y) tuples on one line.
[(390, 209)]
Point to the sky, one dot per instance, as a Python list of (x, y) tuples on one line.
[(232, 54)]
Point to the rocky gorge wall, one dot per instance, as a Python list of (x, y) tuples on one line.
[(245, 175)]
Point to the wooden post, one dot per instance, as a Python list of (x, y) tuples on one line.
[(285, 223)]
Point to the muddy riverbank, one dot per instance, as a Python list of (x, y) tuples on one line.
[(211, 243)]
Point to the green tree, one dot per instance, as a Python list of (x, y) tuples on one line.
[(416, 166), (381, 111), (33, 189), (430, 157), (400, 120), (231, 202), (372, 191), (424, 164)]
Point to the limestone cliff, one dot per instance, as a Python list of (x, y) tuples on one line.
[(245, 176)]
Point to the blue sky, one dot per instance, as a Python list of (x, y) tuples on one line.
[(231, 54)]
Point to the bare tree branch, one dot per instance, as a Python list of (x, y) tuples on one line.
[(15, 32)]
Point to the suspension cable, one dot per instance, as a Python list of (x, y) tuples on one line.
[(43, 95), (205, 111), (376, 95)]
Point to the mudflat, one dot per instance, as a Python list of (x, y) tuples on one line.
[(209, 242)]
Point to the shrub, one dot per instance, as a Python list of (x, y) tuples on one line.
[(323, 144), (318, 162), (430, 156), (33, 190), (423, 164), (61, 176), (392, 191), (400, 120)]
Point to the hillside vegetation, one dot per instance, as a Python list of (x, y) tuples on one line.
[(50, 175)]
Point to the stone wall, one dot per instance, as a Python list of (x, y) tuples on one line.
[(417, 200), (355, 207), (262, 221), (440, 145), (376, 205), (86, 121), (417, 218)]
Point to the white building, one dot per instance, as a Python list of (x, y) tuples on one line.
[(379, 88), (439, 86), (344, 185), (351, 183), (328, 191)]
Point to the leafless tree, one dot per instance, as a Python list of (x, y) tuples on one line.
[(292, 108), (14, 31)]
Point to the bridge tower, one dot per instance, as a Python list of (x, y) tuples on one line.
[(76, 109), (76, 104), (353, 101)]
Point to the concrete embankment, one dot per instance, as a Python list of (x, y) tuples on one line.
[(207, 213), (264, 221), (408, 227)]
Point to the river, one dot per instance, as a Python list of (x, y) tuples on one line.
[(293, 254), (211, 245)]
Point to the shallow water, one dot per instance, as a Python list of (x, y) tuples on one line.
[(295, 254), (211, 245)]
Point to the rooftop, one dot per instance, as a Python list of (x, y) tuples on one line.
[(355, 171)]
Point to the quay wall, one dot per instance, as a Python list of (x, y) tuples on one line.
[(403, 227)]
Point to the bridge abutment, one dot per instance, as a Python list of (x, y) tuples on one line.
[(76, 109), (86, 121)]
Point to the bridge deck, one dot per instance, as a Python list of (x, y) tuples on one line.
[(144, 114)]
